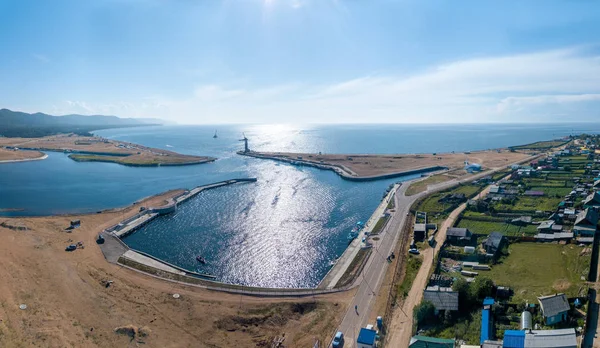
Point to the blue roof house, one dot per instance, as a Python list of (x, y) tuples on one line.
[(366, 338), (487, 326), (514, 339)]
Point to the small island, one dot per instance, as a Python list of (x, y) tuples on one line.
[(95, 149)]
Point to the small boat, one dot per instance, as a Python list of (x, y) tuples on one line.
[(215, 136), (200, 259)]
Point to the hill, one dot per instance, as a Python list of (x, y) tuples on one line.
[(22, 124)]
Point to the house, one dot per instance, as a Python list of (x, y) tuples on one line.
[(514, 339), (453, 198), (443, 299), (521, 221), (455, 235), (597, 184), (533, 193), (430, 342), (487, 324), (592, 200), (545, 226), (366, 338), (563, 338), (420, 231), (586, 223), (554, 308), (493, 243), (494, 189)]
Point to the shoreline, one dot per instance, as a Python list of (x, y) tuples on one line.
[(43, 157), (99, 149)]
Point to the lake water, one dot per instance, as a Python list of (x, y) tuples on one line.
[(281, 231)]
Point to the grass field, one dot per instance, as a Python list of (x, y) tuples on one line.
[(412, 268), (380, 224), (536, 269), (553, 190), (487, 227), (431, 204), (141, 160), (531, 204), (541, 145), (421, 186)]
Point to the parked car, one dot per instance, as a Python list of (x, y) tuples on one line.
[(71, 247), (414, 251), (338, 340)]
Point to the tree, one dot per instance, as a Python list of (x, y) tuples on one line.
[(482, 287), (424, 312), (464, 297)]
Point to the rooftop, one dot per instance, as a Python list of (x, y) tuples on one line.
[(587, 217), (458, 232), (551, 338), (554, 304), (366, 336), (442, 300), (430, 342)]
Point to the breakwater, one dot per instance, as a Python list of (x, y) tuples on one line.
[(344, 172)]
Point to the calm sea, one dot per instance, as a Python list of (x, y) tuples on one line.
[(282, 231)]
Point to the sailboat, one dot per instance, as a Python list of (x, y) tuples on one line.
[(215, 136)]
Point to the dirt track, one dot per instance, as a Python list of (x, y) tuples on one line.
[(400, 329), (69, 305)]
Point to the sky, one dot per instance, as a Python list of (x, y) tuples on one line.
[(304, 61)]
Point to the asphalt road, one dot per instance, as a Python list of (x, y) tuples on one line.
[(370, 280)]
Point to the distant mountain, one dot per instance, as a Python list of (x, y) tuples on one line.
[(22, 124)]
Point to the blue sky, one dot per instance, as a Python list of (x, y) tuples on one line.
[(304, 61)]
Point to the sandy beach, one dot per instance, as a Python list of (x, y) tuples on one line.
[(374, 165), (9, 156), (85, 149)]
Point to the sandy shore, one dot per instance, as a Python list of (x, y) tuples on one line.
[(9, 156), (362, 166), (104, 150), (68, 303)]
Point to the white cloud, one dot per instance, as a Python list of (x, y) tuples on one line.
[(513, 88)]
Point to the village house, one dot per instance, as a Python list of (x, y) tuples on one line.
[(458, 236), (494, 243), (554, 308), (592, 200), (443, 299), (586, 223), (430, 342)]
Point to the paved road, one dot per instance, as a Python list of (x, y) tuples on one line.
[(372, 275)]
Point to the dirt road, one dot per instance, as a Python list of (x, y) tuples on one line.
[(400, 328)]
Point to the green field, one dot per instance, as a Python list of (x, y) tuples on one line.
[(553, 190), (536, 269), (431, 204), (487, 227), (530, 204), (412, 268), (540, 145)]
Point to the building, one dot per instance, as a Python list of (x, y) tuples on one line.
[(455, 235), (430, 342), (487, 321), (366, 338), (586, 223), (564, 338), (443, 299), (554, 308), (533, 193), (522, 221), (494, 243), (592, 200), (420, 232)]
